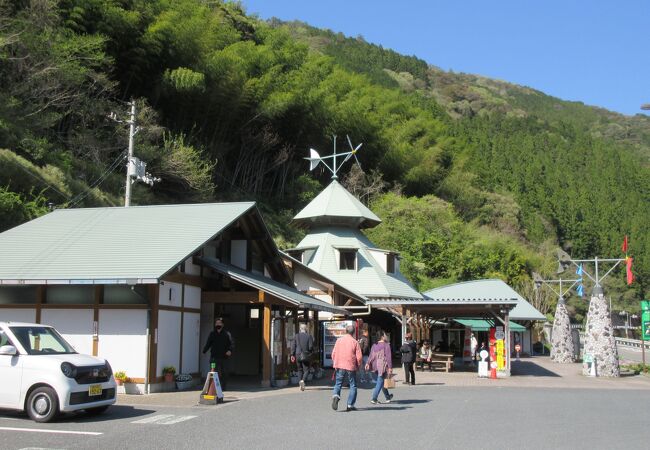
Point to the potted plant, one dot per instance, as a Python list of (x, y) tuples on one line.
[(282, 379), (120, 377), (168, 373), (183, 381)]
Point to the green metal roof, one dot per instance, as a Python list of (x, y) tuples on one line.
[(336, 206), (277, 289), (370, 279), (138, 244), (484, 325), (485, 291)]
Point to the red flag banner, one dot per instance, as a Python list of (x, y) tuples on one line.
[(630, 275), (624, 246)]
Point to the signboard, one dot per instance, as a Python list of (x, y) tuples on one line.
[(499, 334), (588, 358), (517, 348), (646, 330)]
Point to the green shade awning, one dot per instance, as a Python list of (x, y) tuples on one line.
[(484, 325)]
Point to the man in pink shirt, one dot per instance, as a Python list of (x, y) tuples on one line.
[(347, 360)]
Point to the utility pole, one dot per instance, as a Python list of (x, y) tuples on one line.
[(130, 162)]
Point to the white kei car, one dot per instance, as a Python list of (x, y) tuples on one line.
[(43, 375)]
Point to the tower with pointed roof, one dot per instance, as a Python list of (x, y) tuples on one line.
[(336, 246)]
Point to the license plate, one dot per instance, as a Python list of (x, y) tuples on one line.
[(95, 389)]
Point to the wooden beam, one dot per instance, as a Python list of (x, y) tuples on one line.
[(229, 297), (183, 278), (266, 341)]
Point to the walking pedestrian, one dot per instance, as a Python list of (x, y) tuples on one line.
[(409, 352), (221, 344), (302, 347), (347, 359), (364, 343), (380, 362)]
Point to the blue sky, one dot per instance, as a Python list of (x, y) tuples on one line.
[(592, 51)]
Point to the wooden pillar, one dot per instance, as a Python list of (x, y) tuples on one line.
[(296, 325), (154, 292), (99, 299), (266, 341), (316, 334), (40, 299)]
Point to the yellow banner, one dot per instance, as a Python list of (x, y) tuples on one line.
[(501, 360)]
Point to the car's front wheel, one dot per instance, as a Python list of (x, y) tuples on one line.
[(97, 410), (43, 404)]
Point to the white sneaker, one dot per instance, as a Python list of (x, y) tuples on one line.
[(302, 385)]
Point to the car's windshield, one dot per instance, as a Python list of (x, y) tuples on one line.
[(41, 340)]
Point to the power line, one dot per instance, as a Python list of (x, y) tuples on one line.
[(41, 180), (75, 201)]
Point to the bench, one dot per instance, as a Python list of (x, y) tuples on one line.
[(442, 360)]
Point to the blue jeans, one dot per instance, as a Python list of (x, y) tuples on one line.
[(379, 386), (352, 377)]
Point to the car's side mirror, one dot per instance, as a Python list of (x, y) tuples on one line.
[(8, 350)]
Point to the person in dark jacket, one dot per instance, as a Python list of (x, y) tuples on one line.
[(409, 353), (221, 344), (302, 347), (364, 343)]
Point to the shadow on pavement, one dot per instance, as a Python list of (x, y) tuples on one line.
[(113, 413), (381, 408), (530, 369), (410, 401)]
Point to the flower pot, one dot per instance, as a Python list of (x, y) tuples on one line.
[(119, 382), (294, 380), (281, 383), (180, 385), (310, 376), (169, 377)]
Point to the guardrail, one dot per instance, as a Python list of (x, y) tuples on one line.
[(634, 343)]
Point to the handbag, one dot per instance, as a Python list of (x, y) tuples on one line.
[(389, 382)]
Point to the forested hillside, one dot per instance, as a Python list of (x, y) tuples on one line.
[(489, 178)]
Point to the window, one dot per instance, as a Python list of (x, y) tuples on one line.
[(390, 263), (347, 259), (296, 254)]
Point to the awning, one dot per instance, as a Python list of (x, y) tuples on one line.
[(272, 287), (484, 325)]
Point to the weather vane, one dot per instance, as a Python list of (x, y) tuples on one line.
[(315, 159)]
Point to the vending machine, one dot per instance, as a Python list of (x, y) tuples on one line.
[(334, 330)]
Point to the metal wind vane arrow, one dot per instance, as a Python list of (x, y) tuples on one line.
[(315, 159)]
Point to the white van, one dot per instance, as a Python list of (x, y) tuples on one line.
[(42, 374)]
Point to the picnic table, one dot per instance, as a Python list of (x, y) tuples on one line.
[(441, 360)]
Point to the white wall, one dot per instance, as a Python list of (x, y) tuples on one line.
[(191, 268), (380, 257), (306, 283), (123, 340), (75, 325), (238, 253), (18, 315), (191, 335), (169, 340), (192, 297), (164, 297)]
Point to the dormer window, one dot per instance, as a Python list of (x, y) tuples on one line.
[(391, 262), (347, 259)]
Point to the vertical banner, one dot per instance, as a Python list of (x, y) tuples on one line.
[(467, 346), (493, 353)]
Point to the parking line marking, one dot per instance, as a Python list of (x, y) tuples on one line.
[(154, 418), (174, 420), (37, 430)]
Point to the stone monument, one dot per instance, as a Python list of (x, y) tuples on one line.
[(600, 346), (561, 339)]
